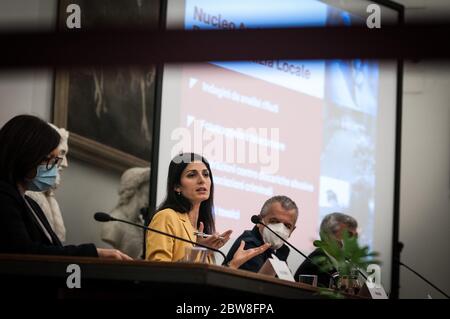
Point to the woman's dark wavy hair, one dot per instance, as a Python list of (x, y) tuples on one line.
[(180, 203), (25, 141)]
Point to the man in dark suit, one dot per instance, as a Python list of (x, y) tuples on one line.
[(280, 214), (334, 226)]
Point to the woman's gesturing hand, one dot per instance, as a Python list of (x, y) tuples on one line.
[(216, 240), (241, 256)]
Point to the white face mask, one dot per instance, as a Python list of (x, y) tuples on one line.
[(272, 239)]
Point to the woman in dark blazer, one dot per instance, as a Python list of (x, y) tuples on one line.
[(29, 161)]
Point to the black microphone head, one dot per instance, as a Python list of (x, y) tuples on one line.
[(103, 217), (256, 219)]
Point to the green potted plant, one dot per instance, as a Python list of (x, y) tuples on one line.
[(345, 257)]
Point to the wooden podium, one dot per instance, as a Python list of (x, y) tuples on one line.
[(46, 276)]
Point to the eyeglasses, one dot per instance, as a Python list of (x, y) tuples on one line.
[(54, 161)]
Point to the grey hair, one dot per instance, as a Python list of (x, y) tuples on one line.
[(284, 201), (331, 223)]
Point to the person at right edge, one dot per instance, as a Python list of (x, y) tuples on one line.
[(334, 226)]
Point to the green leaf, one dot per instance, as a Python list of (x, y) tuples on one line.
[(345, 257)]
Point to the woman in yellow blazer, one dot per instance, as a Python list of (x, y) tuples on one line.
[(188, 208)]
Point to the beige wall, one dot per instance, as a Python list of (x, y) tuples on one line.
[(425, 181), (86, 190), (425, 184)]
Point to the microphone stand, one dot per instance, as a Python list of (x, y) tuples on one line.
[(163, 233)]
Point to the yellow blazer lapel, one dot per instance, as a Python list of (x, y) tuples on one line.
[(187, 226)]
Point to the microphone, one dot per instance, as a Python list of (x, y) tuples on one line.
[(104, 217), (421, 277), (256, 219)]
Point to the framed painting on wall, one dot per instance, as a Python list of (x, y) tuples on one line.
[(108, 111)]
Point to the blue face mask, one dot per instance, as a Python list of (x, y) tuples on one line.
[(44, 180)]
